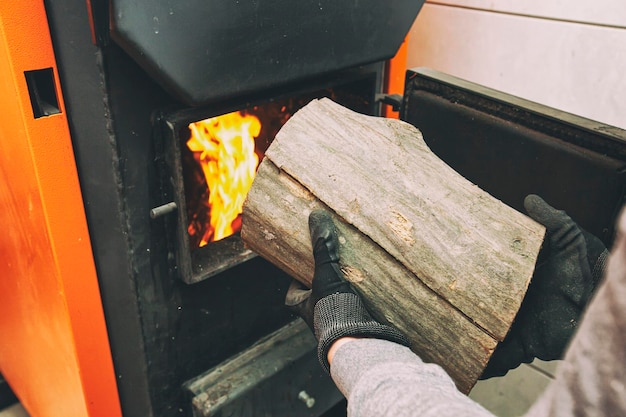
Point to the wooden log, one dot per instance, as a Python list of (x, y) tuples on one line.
[(429, 252)]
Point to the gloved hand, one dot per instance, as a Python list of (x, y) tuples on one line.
[(332, 308), (563, 282)]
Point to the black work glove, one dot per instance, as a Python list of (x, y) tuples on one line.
[(332, 308), (563, 282)]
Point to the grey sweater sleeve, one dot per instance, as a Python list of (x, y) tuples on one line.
[(381, 378)]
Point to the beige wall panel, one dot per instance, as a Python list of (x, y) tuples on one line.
[(602, 12), (574, 67)]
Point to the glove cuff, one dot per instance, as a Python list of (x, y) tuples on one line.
[(343, 314), (599, 266)]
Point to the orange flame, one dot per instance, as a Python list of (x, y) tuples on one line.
[(224, 146)]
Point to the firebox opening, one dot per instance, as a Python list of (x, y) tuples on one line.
[(219, 153), (220, 156)]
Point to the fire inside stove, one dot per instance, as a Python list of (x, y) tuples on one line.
[(224, 147), (221, 153)]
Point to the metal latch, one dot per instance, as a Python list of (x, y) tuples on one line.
[(393, 100)]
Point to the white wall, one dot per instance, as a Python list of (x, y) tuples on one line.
[(567, 54)]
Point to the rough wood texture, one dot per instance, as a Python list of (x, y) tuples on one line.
[(429, 252)]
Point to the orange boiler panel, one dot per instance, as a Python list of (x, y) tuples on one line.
[(54, 348)]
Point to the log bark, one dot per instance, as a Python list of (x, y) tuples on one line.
[(429, 252)]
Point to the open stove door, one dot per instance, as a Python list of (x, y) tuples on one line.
[(512, 147)]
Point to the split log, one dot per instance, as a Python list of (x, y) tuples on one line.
[(429, 252)]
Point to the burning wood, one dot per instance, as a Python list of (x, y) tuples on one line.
[(224, 147)]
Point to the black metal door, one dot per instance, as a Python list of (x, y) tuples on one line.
[(512, 147)]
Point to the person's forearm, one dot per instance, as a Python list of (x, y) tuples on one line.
[(381, 378)]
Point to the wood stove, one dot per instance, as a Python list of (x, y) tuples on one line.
[(179, 314), (135, 76)]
